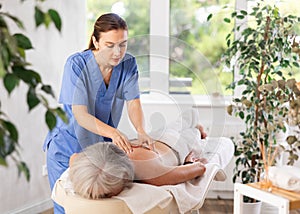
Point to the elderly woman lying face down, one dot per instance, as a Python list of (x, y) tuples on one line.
[(103, 170)]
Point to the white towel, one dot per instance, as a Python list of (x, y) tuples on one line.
[(285, 177), (141, 198), (189, 195), (182, 136), (67, 184)]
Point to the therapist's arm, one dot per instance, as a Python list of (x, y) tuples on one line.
[(136, 116), (91, 123)]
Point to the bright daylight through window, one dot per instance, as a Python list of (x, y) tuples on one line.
[(195, 44)]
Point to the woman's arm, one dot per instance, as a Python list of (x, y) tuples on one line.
[(96, 126), (178, 174), (150, 169), (136, 116)]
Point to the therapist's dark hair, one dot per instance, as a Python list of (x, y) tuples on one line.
[(105, 23)]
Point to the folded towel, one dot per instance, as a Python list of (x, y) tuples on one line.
[(191, 195), (285, 177), (141, 198)]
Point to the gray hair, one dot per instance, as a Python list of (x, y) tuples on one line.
[(101, 171)]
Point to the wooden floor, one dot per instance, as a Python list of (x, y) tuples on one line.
[(217, 206), (210, 206)]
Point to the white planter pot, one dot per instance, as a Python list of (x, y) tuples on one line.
[(251, 208)]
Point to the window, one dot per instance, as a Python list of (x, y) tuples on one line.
[(177, 50), (196, 45)]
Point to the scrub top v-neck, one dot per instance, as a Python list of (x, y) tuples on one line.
[(83, 84)]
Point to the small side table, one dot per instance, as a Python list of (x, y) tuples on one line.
[(282, 199)]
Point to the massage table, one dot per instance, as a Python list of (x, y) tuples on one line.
[(74, 204), (149, 199)]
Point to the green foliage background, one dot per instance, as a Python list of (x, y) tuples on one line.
[(205, 38)]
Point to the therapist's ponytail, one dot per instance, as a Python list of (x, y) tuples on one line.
[(105, 23)]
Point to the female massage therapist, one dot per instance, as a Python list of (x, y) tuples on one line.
[(95, 84)]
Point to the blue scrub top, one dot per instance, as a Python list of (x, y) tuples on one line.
[(83, 84)]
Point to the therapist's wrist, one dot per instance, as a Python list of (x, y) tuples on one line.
[(141, 131), (112, 133)]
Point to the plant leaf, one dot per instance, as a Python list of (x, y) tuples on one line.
[(22, 167), (209, 17), (15, 19), (10, 82), (2, 70), (3, 162), (48, 90), (296, 64), (227, 20), (241, 114), (61, 114), (39, 16), (47, 20), (8, 145), (55, 18), (23, 41), (32, 99), (50, 119), (29, 76), (13, 132), (2, 149), (244, 12)]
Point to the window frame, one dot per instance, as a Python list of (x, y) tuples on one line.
[(159, 57)]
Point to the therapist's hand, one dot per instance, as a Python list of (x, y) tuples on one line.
[(146, 140), (121, 141)]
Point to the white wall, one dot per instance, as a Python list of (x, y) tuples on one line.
[(51, 49)]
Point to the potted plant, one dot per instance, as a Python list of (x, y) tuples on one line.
[(16, 70), (264, 54)]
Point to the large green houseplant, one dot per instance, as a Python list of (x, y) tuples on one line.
[(15, 70), (264, 54)]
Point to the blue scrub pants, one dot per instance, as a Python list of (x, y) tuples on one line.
[(59, 150)]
